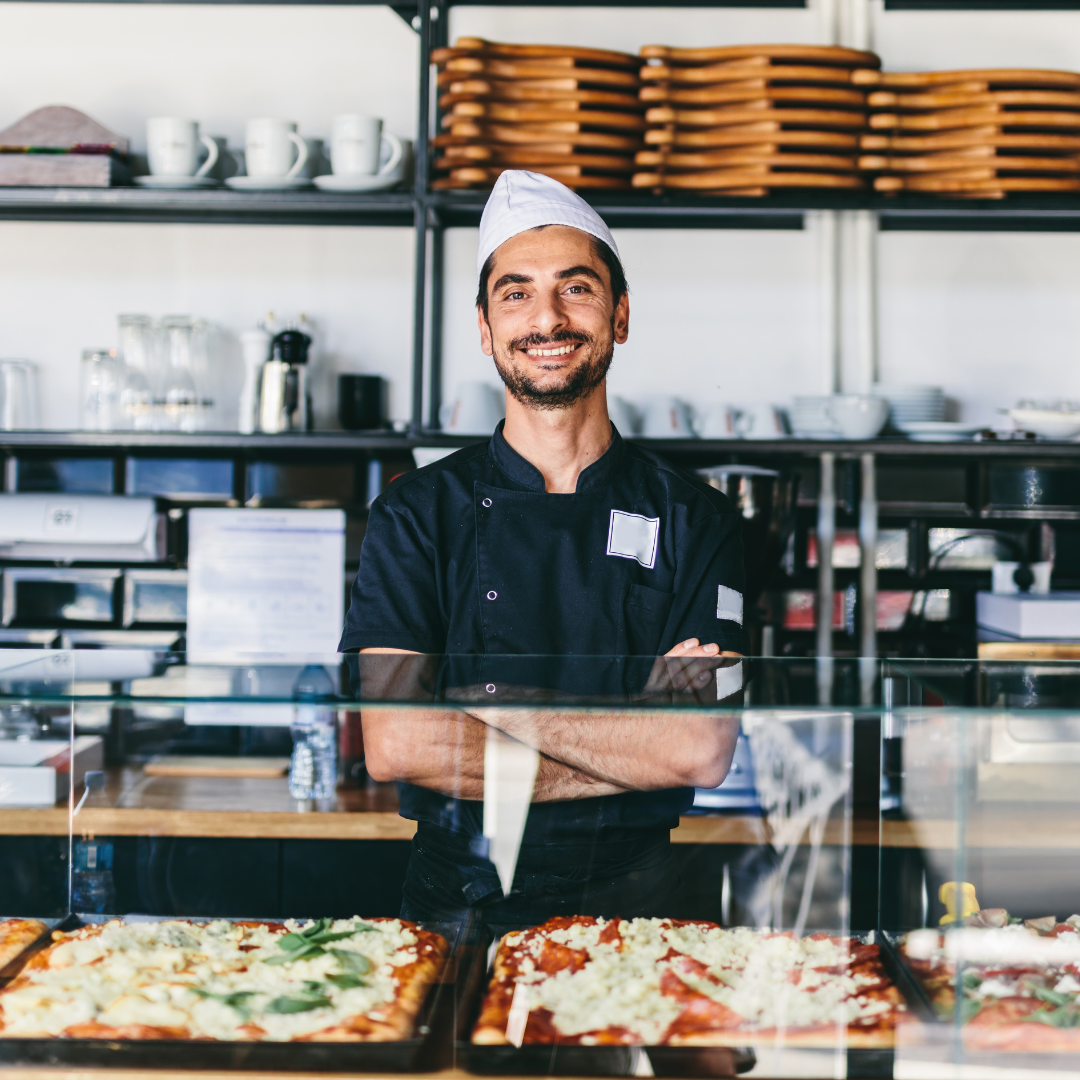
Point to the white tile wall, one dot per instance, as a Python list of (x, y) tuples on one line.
[(719, 315)]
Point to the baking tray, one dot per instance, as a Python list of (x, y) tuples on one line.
[(918, 1001), (676, 1061), (14, 966), (422, 1052)]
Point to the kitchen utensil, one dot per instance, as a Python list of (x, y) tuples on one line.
[(858, 416), (666, 418), (806, 54), (101, 384), (362, 402), (284, 395), (357, 144), (268, 146), (765, 499), (476, 409), (937, 430), (172, 148), (18, 396), (1049, 423), (255, 346)]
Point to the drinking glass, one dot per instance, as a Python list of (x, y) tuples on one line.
[(138, 351), (18, 396), (182, 404), (101, 386)]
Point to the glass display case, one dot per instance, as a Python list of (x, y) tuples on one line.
[(534, 865)]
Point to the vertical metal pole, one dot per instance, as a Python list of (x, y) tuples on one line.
[(435, 389), (866, 308), (420, 217), (868, 530), (828, 229), (826, 534)]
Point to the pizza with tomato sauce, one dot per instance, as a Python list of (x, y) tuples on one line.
[(16, 936), (327, 980), (1018, 981), (668, 982)]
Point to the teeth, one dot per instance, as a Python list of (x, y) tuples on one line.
[(561, 351)]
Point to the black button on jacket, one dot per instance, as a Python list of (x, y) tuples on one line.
[(472, 556)]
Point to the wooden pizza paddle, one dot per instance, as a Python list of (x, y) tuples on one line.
[(1023, 78), (567, 131), (718, 179), (950, 162), (960, 118), (571, 175), (746, 157), (730, 93), (508, 69), (723, 73), (593, 118), (967, 185), (465, 46), (981, 136), (888, 99), (811, 54), (477, 90), (742, 135), (524, 158), (823, 118)]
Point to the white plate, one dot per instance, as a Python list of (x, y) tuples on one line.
[(938, 430), (177, 183), (357, 182), (268, 183)]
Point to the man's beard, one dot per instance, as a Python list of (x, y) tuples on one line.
[(582, 381)]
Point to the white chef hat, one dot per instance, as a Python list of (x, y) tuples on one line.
[(526, 200)]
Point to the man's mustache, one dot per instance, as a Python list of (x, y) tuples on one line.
[(560, 337)]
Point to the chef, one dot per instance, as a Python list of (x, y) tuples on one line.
[(555, 537)]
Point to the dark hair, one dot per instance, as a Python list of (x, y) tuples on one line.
[(619, 288)]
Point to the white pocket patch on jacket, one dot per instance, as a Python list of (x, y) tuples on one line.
[(631, 536), (729, 604)]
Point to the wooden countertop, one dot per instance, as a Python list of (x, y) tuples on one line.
[(134, 804)]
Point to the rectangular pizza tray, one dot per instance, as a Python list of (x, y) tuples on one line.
[(918, 1001), (554, 1060), (421, 1052)]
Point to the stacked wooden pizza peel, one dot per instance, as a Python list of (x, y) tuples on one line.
[(750, 119), (571, 113), (976, 134)]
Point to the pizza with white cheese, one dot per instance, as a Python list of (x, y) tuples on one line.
[(344, 980), (667, 982), (16, 936), (1018, 980)]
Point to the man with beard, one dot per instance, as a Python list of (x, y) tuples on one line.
[(555, 538)]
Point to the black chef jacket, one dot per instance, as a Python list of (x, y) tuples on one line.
[(470, 555)]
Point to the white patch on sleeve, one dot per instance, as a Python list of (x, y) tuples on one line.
[(729, 604), (631, 536), (728, 681)]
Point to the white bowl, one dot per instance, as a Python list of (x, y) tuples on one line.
[(1049, 423)]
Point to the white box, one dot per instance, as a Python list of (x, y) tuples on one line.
[(37, 772), (1028, 616)]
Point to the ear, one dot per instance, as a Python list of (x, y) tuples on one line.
[(620, 324), (486, 346)]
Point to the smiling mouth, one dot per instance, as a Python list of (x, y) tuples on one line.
[(561, 350)]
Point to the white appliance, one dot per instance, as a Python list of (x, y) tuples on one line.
[(61, 528), (1054, 616)]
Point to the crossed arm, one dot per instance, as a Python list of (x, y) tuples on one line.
[(581, 755)]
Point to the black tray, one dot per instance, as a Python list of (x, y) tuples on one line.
[(675, 1061), (422, 1052), (907, 981)]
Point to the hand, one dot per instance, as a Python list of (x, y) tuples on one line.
[(687, 668)]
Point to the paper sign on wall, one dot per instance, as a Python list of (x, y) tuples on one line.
[(264, 583)]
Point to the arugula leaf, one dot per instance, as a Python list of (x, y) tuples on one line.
[(352, 963), (1063, 1017), (304, 1003), (1052, 996)]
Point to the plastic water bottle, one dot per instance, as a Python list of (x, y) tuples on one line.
[(92, 886), (313, 768)]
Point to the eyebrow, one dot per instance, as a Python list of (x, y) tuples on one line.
[(511, 279), (562, 275)]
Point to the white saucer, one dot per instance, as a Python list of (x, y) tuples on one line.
[(357, 182), (177, 183), (268, 183), (938, 430)]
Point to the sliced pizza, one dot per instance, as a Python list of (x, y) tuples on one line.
[(668, 982), (344, 980), (16, 936)]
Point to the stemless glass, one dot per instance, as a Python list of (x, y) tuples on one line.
[(137, 345), (18, 396), (101, 387), (182, 405)]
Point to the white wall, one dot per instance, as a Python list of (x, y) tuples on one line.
[(724, 315)]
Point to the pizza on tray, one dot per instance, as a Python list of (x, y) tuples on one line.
[(591, 981), (16, 936), (344, 980), (1019, 980)]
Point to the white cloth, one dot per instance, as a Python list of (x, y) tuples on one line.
[(526, 200)]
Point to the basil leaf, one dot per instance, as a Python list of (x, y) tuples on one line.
[(236, 1001), (283, 1005), (346, 982), (971, 981), (353, 963), (323, 938), (306, 953), (292, 941)]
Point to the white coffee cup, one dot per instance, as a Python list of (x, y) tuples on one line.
[(858, 416), (762, 421), (666, 418), (268, 149), (356, 144), (172, 147), (476, 409), (718, 422)]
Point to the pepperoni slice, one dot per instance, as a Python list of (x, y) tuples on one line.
[(1007, 1009), (612, 935), (555, 957), (700, 1012)]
